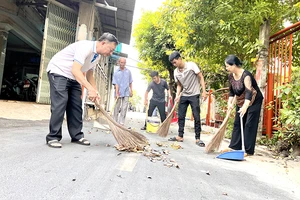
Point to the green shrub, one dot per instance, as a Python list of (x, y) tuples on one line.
[(288, 135)]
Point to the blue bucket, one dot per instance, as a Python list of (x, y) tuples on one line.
[(232, 155)]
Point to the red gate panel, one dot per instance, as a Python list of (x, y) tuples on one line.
[(279, 73)]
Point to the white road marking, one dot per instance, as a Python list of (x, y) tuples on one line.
[(129, 162)]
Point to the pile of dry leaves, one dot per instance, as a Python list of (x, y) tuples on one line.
[(162, 155)]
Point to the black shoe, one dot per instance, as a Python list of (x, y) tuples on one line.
[(144, 128)]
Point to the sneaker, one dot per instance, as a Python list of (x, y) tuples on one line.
[(143, 128)]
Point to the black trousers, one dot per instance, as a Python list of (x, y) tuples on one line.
[(65, 95), (184, 102), (161, 109), (250, 125)]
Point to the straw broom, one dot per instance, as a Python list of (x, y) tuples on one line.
[(128, 140), (163, 129), (215, 142), (102, 121)]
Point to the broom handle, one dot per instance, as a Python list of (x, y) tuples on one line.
[(174, 105), (107, 116), (113, 107), (147, 108), (242, 133), (229, 110)]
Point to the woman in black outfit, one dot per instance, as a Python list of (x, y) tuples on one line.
[(249, 99)]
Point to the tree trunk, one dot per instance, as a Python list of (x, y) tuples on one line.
[(172, 84), (262, 67)]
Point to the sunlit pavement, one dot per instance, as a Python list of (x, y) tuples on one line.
[(32, 170)]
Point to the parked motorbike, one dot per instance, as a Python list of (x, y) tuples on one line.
[(12, 88), (30, 88)]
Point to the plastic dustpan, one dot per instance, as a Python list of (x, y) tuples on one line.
[(236, 154), (232, 155)]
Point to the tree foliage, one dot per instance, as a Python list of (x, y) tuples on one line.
[(206, 31), (135, 100), (151, 41)]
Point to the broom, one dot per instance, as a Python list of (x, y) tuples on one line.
[(163, 129), (215, 142), (128, 140), (101, 121)]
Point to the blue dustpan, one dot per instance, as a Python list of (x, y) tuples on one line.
[(232, 155), (236, 154)]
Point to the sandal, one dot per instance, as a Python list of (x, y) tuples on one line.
[(54, 144), (175, 139), (226, 150), (82, 141), (200, 143)]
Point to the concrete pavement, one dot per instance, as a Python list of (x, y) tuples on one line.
[(32, 170)]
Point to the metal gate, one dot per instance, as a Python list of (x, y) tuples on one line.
[(60, 31), (102, 75), (279, 73)]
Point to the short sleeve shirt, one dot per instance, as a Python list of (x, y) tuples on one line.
[(83, 52), (189, 79), (158, 90), (123, 78)]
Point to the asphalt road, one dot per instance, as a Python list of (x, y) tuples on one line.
[(32, 170)]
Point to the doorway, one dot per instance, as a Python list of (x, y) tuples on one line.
[(21, 70)]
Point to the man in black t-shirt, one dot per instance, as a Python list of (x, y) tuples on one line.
[(158, 87)]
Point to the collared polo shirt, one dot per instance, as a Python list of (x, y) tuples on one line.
[(123, 78), (83, 52), (189, 79)]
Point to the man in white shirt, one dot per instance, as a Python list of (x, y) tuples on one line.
[(65, 74), (189, 79)]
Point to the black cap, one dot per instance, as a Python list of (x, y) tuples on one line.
[(174, 55)]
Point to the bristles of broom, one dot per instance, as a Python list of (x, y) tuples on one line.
[(163, 129), (128, 140), (215, 142)]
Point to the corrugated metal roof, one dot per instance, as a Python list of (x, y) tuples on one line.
[(118, 23)]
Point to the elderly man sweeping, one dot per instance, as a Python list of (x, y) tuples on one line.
[(122, 79), (65, 74)]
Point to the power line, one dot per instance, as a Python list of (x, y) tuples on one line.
[(146, 69)]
